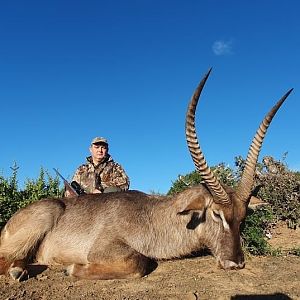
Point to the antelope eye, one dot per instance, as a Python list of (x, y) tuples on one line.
[(217, 215)]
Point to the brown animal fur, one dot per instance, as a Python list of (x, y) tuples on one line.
[(114, 235)]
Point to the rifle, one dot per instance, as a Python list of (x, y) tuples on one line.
[(68, 186)]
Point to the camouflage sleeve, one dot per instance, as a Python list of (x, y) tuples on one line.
[(86, 178), (119, 177), (76, 176)]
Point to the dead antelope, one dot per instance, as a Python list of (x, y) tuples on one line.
[(123, 234)]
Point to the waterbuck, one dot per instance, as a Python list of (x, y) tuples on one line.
[(123, 234)]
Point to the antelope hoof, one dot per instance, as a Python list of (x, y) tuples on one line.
[(230, 265), (19, 274)]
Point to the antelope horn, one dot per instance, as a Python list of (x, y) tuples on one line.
[(198, 158), (245, 186)]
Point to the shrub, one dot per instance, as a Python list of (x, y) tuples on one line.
[(225, 174), (11, 198), (44, 186), (280, 187), (254, 229), (183, 182)]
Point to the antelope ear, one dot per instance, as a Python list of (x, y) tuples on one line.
[(186, 204), (255, 203), (195, 204)]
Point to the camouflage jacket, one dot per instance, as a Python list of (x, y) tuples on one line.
[(106, 174)]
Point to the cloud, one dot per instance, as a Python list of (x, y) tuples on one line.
[(222, 47)]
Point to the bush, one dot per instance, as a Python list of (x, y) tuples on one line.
[(11, 198), (281, 188), (225, 174), (183, 182), (254, 229)]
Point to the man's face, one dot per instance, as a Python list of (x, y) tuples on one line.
[(98, 152)]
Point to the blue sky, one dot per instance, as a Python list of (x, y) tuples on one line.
[(125, 70)]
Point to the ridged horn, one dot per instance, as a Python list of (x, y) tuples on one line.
[(197, 155), (245, 185)]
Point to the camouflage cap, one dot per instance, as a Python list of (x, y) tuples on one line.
[(97, 140)]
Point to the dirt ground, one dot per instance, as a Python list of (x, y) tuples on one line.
[(187, 279)]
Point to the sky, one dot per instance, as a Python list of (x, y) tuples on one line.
[(126, 70)]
